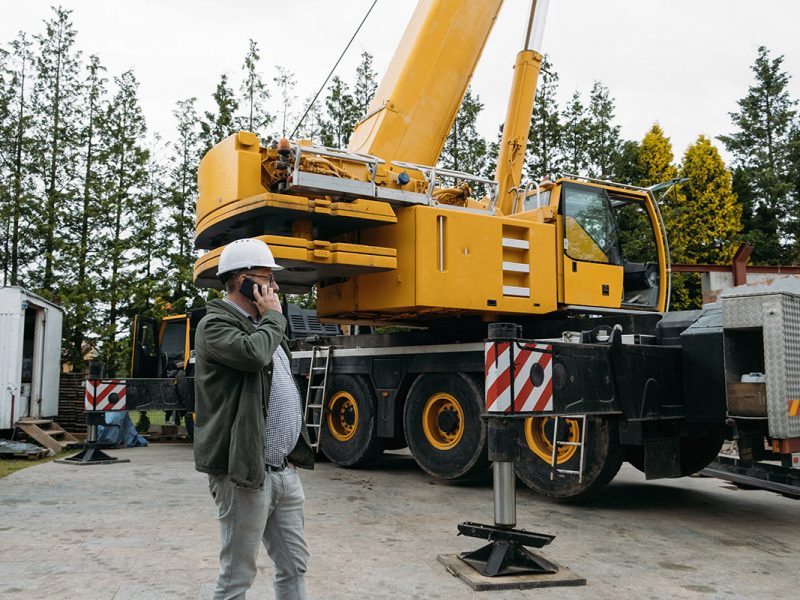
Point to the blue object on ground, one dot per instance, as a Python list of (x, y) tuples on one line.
[(120, 430)]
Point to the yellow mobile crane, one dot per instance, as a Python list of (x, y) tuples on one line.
[(576, 269), (389, 238)]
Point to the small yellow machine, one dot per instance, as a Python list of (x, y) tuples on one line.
[(388, 237)]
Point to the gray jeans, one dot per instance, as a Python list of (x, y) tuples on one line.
[(274, 516)]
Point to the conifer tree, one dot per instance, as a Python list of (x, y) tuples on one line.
[(341, 117), (312, 125), (544, 138), (286, 82), (575, 136), (81, 295), (149, 282), (365, 86), (5, 101), (761, 145), (222, 122), (603, 147), (181, 192), (255, 94), (703, 222), (655, 158), (16, 161), (704, 231), (126, 178), (626, 165), (465, 149), (56, 93)]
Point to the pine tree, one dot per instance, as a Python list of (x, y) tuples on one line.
[(81, 295), (126, 178), (56, 94), (703, 221), (655, 158), (365, 86), (310, 128), (220, 124), (793, 224), (341, 117), (149, 282), (575, 136), (16, 160), (181, 191), (255, 94), (604, 142), (761, 146), (544, 138), (465, 149), (286, 82), (626, 166)]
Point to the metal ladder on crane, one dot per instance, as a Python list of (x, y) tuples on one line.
[(581, 445), (314, 412)]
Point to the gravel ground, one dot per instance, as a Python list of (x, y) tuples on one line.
[(146, 529)]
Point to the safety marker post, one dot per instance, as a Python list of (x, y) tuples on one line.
[(100, 397), (505, 562)]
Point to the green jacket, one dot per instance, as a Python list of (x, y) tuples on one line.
[(233, 377)]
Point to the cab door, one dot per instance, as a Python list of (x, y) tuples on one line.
[(144, 355), (593, 272)]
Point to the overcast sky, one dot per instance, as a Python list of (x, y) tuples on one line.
[(683, 63)]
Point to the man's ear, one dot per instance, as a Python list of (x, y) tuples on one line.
[(234, 283)]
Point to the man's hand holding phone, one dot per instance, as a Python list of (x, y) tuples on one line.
[(266, 299)]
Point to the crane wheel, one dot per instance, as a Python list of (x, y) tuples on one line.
[(349, 430), (443, 427), (696, 454), (604, 456)]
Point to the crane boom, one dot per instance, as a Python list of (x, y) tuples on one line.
[(419, 96)]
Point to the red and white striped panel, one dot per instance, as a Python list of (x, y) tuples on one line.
[(98, 395), (528, 397)]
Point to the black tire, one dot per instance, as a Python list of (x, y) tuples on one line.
[(604, 457), (349, 430), (696, 454), (443, 425), (188, 421)]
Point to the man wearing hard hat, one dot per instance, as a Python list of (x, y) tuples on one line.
[(249, 430)]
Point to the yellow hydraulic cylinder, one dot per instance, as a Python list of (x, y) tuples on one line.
[(511, 157), (417, 100)]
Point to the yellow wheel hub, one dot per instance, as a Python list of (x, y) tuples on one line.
[(443, 421), (539, 435), (342, 416)]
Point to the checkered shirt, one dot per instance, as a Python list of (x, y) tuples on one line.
[(284, 418)]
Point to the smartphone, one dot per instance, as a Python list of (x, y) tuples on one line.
[(247, 288)]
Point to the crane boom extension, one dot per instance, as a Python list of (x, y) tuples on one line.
[(417, 100)]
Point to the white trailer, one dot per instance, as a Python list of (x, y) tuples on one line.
[(30, 356)]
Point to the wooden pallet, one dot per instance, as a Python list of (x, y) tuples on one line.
[(24, 455), (46, 432)]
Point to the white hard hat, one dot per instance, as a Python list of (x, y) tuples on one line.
[(248, 253)]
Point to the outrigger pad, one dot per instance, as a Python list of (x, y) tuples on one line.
[(458, 568), (505, 554), (506, 558)]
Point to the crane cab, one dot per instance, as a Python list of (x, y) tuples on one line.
[(611, 244)]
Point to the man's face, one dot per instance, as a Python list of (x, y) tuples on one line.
[(261, 275)]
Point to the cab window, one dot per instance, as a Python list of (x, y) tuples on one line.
[(591, 231)]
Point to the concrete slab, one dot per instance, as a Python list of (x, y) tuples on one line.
[(147, 529), (458, 568)]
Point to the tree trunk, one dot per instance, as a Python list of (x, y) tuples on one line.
[(78, 333), (49, 245), (17, 199)]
